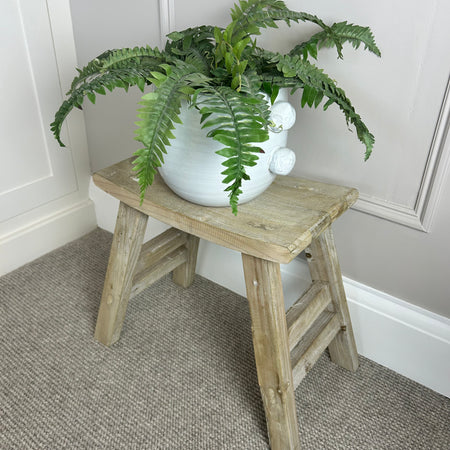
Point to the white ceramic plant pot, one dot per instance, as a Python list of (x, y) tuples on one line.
[(192, 169)]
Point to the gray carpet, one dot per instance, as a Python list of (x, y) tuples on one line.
[(181, 377)]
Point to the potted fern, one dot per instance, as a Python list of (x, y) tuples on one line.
[(228, 81)]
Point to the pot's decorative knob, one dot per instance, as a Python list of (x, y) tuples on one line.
[(282, 162), (282, 115)]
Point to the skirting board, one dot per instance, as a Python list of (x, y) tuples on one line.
[(407, 339), (34, 239)]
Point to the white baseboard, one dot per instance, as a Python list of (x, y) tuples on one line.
[(409, 340), (38, 237), (396, 334)]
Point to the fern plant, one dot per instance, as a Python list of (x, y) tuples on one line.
[(222, 72)]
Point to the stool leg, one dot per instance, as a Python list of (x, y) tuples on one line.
[(184, 274), (125, 251), (324, 266), (270, 341)]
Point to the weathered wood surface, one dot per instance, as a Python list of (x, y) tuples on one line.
[(125, 251), (158, 257), (151, 274), (312, 345), (324, 266), (272, 356), (160, 246), (275, 226), (184, 274), (305, 310)]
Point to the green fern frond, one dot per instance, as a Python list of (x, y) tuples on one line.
[(246, 15), (126, 58), (252, 85), (193, 44), (196, 37), (135, 57), (316, 85), (202, 55), (91, 69), (234, 45), (256, 14), (159, 110), (341, 32), (236, 124), (123, 78), (354, 34), (249, 7)]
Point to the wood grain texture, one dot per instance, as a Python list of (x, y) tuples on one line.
[(163, 266), (305, 310), (324, 266), (270, 342), (159, 256), (184, 274), (125, 251), (312, 345), (160, 246), (275, 226)]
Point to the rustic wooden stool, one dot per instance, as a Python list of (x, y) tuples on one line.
[(291, 216)]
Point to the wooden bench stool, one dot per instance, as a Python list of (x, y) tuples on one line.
[(291, 216)]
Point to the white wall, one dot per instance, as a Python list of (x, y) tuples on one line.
[(43, 189), (403, 186)]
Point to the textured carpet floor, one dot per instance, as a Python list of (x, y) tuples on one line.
[(181, 377)]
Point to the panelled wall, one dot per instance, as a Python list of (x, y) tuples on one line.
[(395, 239), (43, 189)]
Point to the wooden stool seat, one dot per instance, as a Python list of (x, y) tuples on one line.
[(291, 216)]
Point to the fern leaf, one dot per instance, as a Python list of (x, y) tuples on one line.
[(110, 80), (235, 122), (255, 14), (251, 85), (341, 33), (92, 68), (126, 58), (316, 85), (134, 57), (180, 42), (354, 34), (193, 44), (158, 111)]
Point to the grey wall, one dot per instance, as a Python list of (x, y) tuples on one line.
[(399, 97)]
